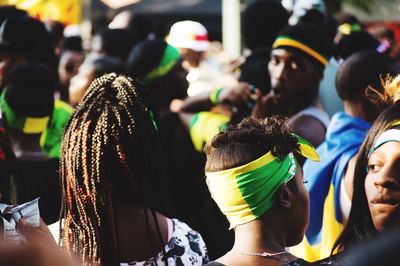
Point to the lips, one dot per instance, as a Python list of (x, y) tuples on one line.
[(385, 200)]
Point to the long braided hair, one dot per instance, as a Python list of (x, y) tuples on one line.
[(110, 145)]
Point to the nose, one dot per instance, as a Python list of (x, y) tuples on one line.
[(280, 72), (388, 180)]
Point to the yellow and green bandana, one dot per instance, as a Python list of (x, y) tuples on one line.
[(50, 127), (26, 124), (168, 60), (246, 192)]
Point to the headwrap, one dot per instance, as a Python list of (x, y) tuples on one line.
[(387, 136), (50, 127), (246, 192), (151, 60), (307, 39), (26, 124)]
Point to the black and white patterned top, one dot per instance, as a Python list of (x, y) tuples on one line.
[(185, 247)]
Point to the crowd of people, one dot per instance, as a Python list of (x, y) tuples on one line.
[(146, 149)]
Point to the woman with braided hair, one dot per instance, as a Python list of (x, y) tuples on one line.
[(113, 203)]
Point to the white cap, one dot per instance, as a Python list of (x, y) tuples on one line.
[(189, 34)]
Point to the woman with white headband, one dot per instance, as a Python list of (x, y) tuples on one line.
[(376, 197), (253, 176)]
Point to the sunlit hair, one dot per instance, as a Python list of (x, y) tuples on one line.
[(110, 146), (359, 227)]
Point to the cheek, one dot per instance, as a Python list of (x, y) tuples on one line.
[(369, 188)]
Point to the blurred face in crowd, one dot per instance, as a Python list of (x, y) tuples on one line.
[(191, 56), (68, 66), (80, 82), (294, 78), (382, 186)]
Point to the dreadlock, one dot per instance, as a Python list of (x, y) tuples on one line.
[(110, 145)]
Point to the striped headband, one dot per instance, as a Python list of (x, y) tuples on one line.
[(288, 41), (26, 124), (387, 136), (170, 57), (246, 192)]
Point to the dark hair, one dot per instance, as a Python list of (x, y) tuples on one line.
[(145, 57), (356, 42), (361, 71), (262, 20), (8, 11), (359, 227), (250, 139), (117, 42), (106, 65), (30, 89), (110, 146), (72, 43), (345, 17), (27, 37)]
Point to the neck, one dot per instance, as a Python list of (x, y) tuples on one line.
[(138, 240), (354, 109), (26, 146), (258, 237)]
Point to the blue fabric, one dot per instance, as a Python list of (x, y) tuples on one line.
[(344, 137)]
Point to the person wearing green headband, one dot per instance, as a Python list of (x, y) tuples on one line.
[(296, 66), (34, 121), (254, 177)]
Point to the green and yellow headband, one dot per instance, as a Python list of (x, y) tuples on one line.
[(246, 192), (26, 124), (287, 41), (169, 59)]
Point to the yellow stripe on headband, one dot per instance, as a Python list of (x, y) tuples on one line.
[(34, 125), (301, 46), (253, 165), (394, 123)]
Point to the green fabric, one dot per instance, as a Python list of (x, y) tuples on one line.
[(50, 141), (11, 118), (259, 187), (169, 59), (204, 126)]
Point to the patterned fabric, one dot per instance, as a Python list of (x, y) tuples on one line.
[(185, 247)]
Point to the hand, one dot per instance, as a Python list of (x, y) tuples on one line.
[(264, 106), (40, 249), (238, 95), (175, 105)]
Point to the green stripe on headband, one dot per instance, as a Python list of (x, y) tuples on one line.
[(28, 125), (246, 192), (169, 59)]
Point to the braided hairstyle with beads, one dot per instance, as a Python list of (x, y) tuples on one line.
[(110, 145)]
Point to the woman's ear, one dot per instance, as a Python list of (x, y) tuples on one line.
[(284, 197)]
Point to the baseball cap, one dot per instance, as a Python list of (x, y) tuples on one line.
[(189, 34)]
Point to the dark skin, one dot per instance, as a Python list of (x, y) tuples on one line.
[(271, 232), (294, 82), (237, 95), (132, 232)]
